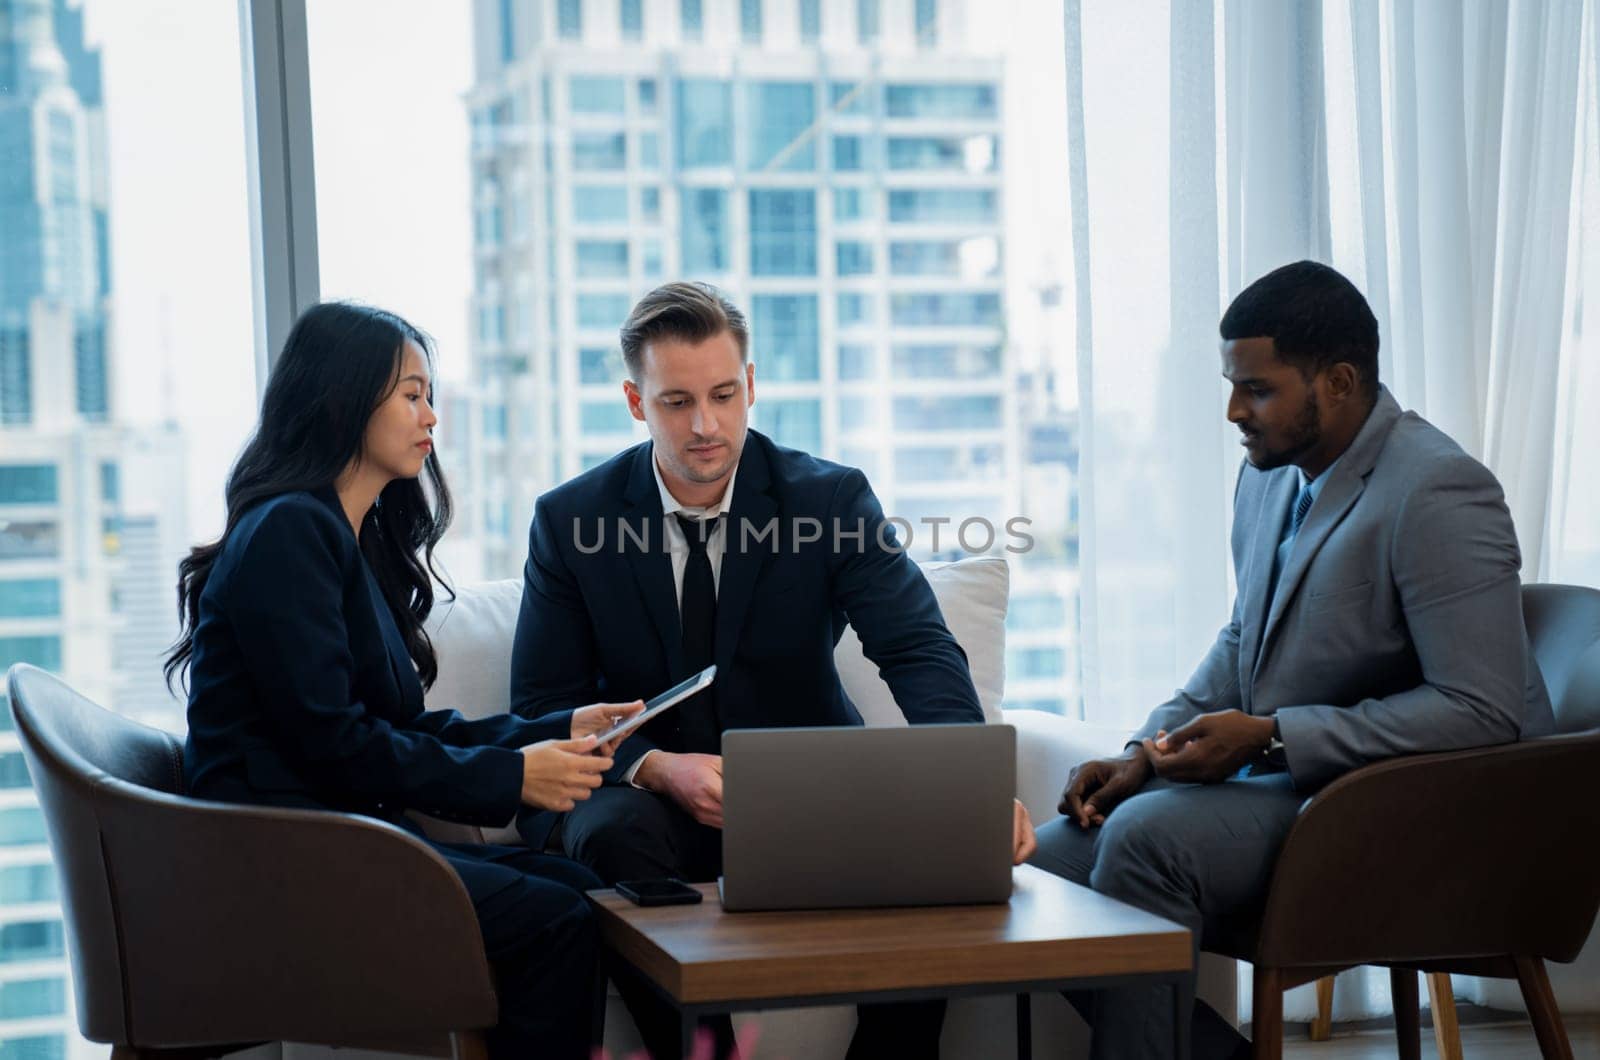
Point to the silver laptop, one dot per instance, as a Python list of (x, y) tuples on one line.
[(854, 817)]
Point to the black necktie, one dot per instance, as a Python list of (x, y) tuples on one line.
[(698, 615)]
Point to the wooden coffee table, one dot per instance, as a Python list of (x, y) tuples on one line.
[(1052, 935)]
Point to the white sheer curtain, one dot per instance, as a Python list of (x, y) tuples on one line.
[(1445, 156)]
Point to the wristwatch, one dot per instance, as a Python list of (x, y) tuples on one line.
[(1273, 753)]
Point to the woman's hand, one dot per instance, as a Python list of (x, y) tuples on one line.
[(559, 774), (601, 718)]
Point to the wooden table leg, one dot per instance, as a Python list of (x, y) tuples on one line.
[(688, 1025), (1182, 1013), (1024, 1027), (1446, 1031)]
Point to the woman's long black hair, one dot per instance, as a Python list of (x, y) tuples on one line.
[(339, 363)]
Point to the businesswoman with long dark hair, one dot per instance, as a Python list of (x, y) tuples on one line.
[(307, 659)]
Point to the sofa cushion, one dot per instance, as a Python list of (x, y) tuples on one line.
[(472, 636), (972, 593)]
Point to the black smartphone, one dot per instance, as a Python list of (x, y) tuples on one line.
[(658, 892)]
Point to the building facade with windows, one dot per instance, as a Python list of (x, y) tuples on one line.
[(66, 585), (836, 174)]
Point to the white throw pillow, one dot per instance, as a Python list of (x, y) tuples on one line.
[(973, 594), (472, 636)]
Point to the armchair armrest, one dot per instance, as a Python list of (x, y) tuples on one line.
[(442, 831), (294, 924), (1463, 854), (1048, 746)]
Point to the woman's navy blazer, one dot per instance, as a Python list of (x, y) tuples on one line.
[(302, 692)]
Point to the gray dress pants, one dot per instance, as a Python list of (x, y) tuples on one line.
[(1197, 854)]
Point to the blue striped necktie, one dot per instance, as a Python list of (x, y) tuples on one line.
[(1291, 529), (1302, 505)]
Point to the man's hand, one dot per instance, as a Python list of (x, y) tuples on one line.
[(692, 781), (600, 718), (559, 774), (1210, 748), (1094, 788), (1022, 844)]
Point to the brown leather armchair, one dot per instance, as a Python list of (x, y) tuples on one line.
[(201, 927), (1475, 862)]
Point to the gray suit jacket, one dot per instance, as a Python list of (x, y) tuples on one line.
[(1396, 627)]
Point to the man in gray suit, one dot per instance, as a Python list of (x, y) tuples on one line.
[(1378, 613)]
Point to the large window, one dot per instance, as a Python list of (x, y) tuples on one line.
[(941, 100), (705, 231), (971, 258), (602, 312), (598, 95), (127, 384), (947, 361), (28, 483), (784, 336), (852, 175), (30, 597), (795, 423), (27, 884), (783, 233), (944, 205), (602, 258), (965, 154), (810, 21), (511, 177), (977, 309), (705, 123), (939, 413), (598, 151), (604, 204), (778, 119)]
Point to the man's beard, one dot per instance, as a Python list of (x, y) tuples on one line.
[(1304, 435)]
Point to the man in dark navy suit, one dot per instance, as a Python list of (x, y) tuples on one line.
[(710, 543)]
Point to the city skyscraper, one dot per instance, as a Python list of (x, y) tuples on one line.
[(834, 166), (67, 588)]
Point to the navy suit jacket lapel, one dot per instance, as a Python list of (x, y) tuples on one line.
[(408, 686), (652, 564), (743, 557)]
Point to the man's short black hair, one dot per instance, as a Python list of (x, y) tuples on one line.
[(1313, 315)]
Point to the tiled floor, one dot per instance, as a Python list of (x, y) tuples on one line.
[(1480, 1042)]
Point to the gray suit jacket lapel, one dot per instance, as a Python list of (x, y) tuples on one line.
[(1257, 580), (1348, 479)]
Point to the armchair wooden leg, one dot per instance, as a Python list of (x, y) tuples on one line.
[(1322, 1026), (1541, 1001), (468, 1045), (1266, 1015), (1446, 1031), (1407, 1012)]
